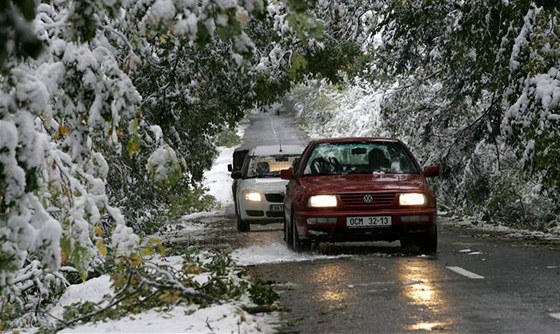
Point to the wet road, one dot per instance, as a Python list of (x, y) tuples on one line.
[(478, 282), (472, 285)]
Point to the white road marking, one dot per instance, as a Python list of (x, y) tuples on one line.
[(274, 130), (465, 273), (555, 315)]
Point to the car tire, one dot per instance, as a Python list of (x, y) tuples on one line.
[(287, 233), (428, 244), (407, 243), (242, 225), (298, 245)]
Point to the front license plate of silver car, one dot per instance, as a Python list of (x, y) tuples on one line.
[(368, 221), (276, 207)]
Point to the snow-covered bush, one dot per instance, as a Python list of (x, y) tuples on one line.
[(158, 282)]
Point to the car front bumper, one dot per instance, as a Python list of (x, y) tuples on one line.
[(403, 223), (262, 211)]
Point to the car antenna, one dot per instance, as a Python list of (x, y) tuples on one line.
[(280, 143)]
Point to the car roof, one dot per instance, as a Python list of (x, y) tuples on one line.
[(355, 139), (275, 149)]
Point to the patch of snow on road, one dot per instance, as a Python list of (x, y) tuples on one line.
[(218, 179), (274, 253)]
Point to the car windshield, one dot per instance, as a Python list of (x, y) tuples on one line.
[(359, 158), (269, 166)]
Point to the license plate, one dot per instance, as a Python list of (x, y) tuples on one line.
[(276, 207), (369, 221)]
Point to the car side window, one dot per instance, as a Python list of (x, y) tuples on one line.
[(401, 163)]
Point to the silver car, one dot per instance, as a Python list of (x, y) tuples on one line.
[(259, 190)]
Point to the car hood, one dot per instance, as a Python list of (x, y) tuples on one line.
[(266, 185), (364, 183)]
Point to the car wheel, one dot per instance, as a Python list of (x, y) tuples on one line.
[(242, 225), (406, 243), (297, 244), (428, 244), (287, 233)]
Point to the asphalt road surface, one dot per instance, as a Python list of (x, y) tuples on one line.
[(270, 128), (478, 282), (474, 284)]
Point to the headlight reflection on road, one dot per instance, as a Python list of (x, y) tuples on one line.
[(418, 279), (330, 276), (418, 284), (421, 293)]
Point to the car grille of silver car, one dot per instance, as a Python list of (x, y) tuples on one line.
[(274, 198)]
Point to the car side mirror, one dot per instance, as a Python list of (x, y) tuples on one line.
[(287, 174), (230, 168), (236, 174), (432, 170)]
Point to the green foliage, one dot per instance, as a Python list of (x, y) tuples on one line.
[(336, 59), (305, 26), (23, 305), (233, 27), (195, 200), (141, 285), (227, 138), (262, 293), (76, 256), (508, 200), (16, 34), (298, 63)]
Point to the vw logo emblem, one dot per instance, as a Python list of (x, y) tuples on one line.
[(368, 199)]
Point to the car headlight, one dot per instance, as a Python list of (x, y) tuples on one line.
[(253, 196), (322, 201), (412, 199)]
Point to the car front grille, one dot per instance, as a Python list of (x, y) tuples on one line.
[(274, 198), (359, 200), (274, 214), (255, 213)]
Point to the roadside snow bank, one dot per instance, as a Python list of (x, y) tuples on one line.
[(218, 180), (217, 318), (274, 253), (226, 318), (92, 290)]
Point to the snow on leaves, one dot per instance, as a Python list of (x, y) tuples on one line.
[(68, 117), (55, 112)]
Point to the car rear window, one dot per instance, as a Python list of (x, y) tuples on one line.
[(268, 166)]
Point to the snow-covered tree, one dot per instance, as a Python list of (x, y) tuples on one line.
[(124, 100), (476, 83)]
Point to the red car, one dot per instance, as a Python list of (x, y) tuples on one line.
[(359, 189)]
